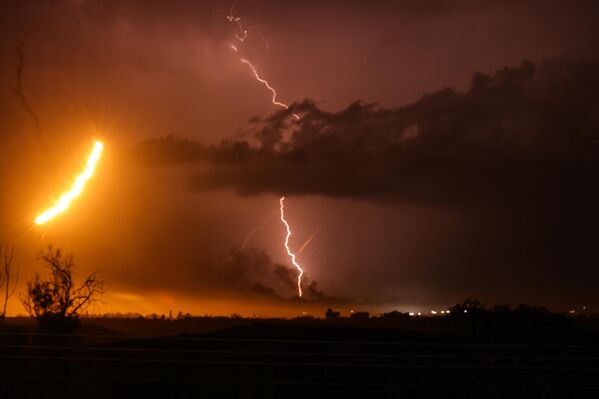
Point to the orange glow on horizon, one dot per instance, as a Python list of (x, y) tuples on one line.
[(65, 199)]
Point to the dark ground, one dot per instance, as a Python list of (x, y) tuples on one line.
[(523, 353)]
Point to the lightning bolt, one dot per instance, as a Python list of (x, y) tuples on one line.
[(237, 20), (251, 233), (19, 92), (68, 197), (291, 254), (308, 241), (241, 38)]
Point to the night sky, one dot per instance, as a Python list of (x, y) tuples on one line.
[(444, 150)]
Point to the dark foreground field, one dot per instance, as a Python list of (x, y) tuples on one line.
[(489, 356)]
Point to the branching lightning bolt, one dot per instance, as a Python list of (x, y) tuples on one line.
[(250, 234), (237, 20), (20, 93), (241, 37), (308, 241), (291, 254)]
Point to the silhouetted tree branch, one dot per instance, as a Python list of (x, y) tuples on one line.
[(6, 258), (58, 297)]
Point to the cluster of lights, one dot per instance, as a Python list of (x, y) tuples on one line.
[(433, 312), (573, 311)]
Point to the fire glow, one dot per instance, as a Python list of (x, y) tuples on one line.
[(65, 200), (291, 254)]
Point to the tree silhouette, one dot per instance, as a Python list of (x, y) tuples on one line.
[(57, 299), (470, 305), (6, 266)]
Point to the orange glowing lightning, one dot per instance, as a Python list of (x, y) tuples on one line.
[(65, 200), (244, 34), (291, 254)]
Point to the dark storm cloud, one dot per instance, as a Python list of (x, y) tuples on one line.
[(129, 70), (521, 132), (253, 273), (167, 150), (515, 154)]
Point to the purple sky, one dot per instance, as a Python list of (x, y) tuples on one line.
[(419, 202)]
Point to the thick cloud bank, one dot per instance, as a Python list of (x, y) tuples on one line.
[(515, 154), (521, 132)]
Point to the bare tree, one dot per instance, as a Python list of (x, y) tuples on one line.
[(58, 297), (7, 256)]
